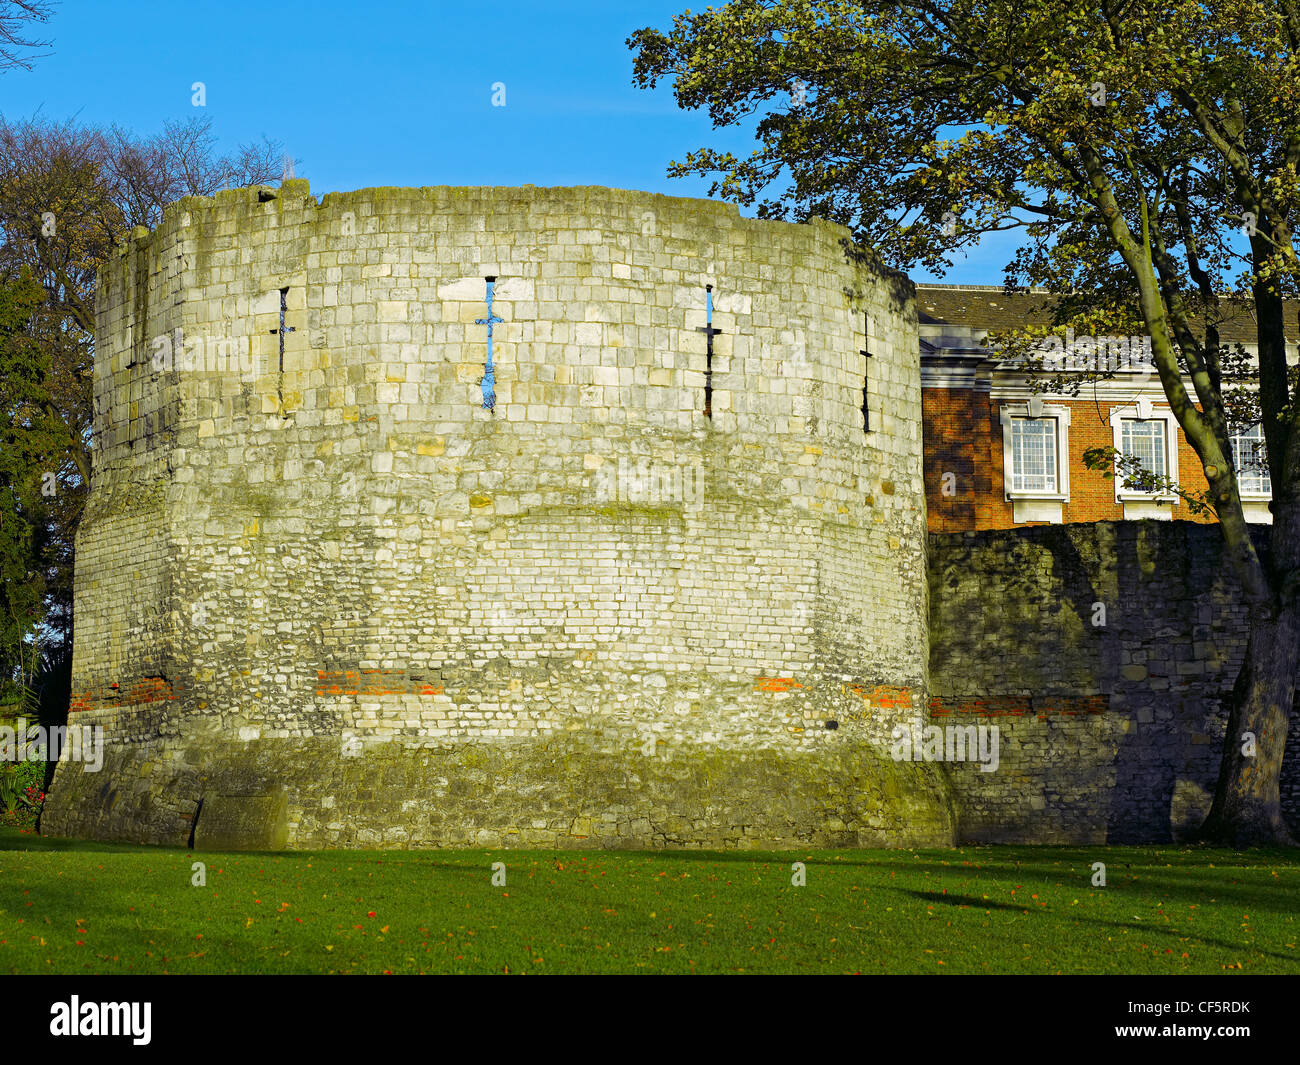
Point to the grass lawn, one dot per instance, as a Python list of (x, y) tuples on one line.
[(73, 907)]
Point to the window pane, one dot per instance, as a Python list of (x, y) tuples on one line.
[(1251, 461), (1145, 441), (1033, 454)]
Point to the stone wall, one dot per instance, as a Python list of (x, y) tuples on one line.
[(325, 598), (1110, 731)]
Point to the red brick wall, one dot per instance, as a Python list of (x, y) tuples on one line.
[(955, 431), (963, 436)]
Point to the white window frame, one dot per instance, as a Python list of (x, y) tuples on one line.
[(1007, 414), (1245, 495), (1142, 410)]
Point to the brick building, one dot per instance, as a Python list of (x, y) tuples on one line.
[(997, 455)]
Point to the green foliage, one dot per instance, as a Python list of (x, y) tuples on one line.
[(10, 786), (1110, 462), (25, 448), (68, 193), (22, 784), (888, 116)]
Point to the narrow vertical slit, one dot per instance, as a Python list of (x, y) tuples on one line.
[(709, 333), (284, 306), (194, 823), (866, 374), (488, 381)]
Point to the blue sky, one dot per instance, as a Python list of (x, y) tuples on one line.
[(394, 92)]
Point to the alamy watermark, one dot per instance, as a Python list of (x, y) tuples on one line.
[(175, 351), (53, 743), (952, 743), (649, 482), (77, 1018), (1092, 354)]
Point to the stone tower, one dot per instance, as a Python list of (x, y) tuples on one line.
[(649, 574)]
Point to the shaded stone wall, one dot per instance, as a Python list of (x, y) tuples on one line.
[(1109, 732), (330, 600)]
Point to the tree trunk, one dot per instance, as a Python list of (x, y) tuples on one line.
[(1247, 808)]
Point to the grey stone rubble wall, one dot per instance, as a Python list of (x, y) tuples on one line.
[(1109, 732), (342, 604)]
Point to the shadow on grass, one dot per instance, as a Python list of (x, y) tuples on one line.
[(968, 901), (13, 840), (1013, 859), (1008, 860), (1182, 935), (475, 866), (1193, 882)]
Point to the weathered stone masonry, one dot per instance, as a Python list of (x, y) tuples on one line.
[(1110, 732), (325, 598)]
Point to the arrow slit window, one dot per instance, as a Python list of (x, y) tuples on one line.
[(709, 333), (866, 374)]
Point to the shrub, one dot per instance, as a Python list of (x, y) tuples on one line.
[(22, 786)]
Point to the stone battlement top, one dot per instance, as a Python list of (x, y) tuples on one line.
[(442, 198)]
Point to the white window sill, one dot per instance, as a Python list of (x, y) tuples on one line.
[(1036, 509), (1164, 499), (1256, 511), (1135, 509)]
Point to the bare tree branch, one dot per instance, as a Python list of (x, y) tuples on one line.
[(16, 48)]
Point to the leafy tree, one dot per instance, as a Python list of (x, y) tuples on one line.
[(23, 574), (68, 194), (1146, 153)]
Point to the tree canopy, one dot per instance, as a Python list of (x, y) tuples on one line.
[(68, 194)]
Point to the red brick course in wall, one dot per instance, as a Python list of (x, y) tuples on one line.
[(1041, 707), (373, 682), (140, 692), (145, 691), (962, 434)]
